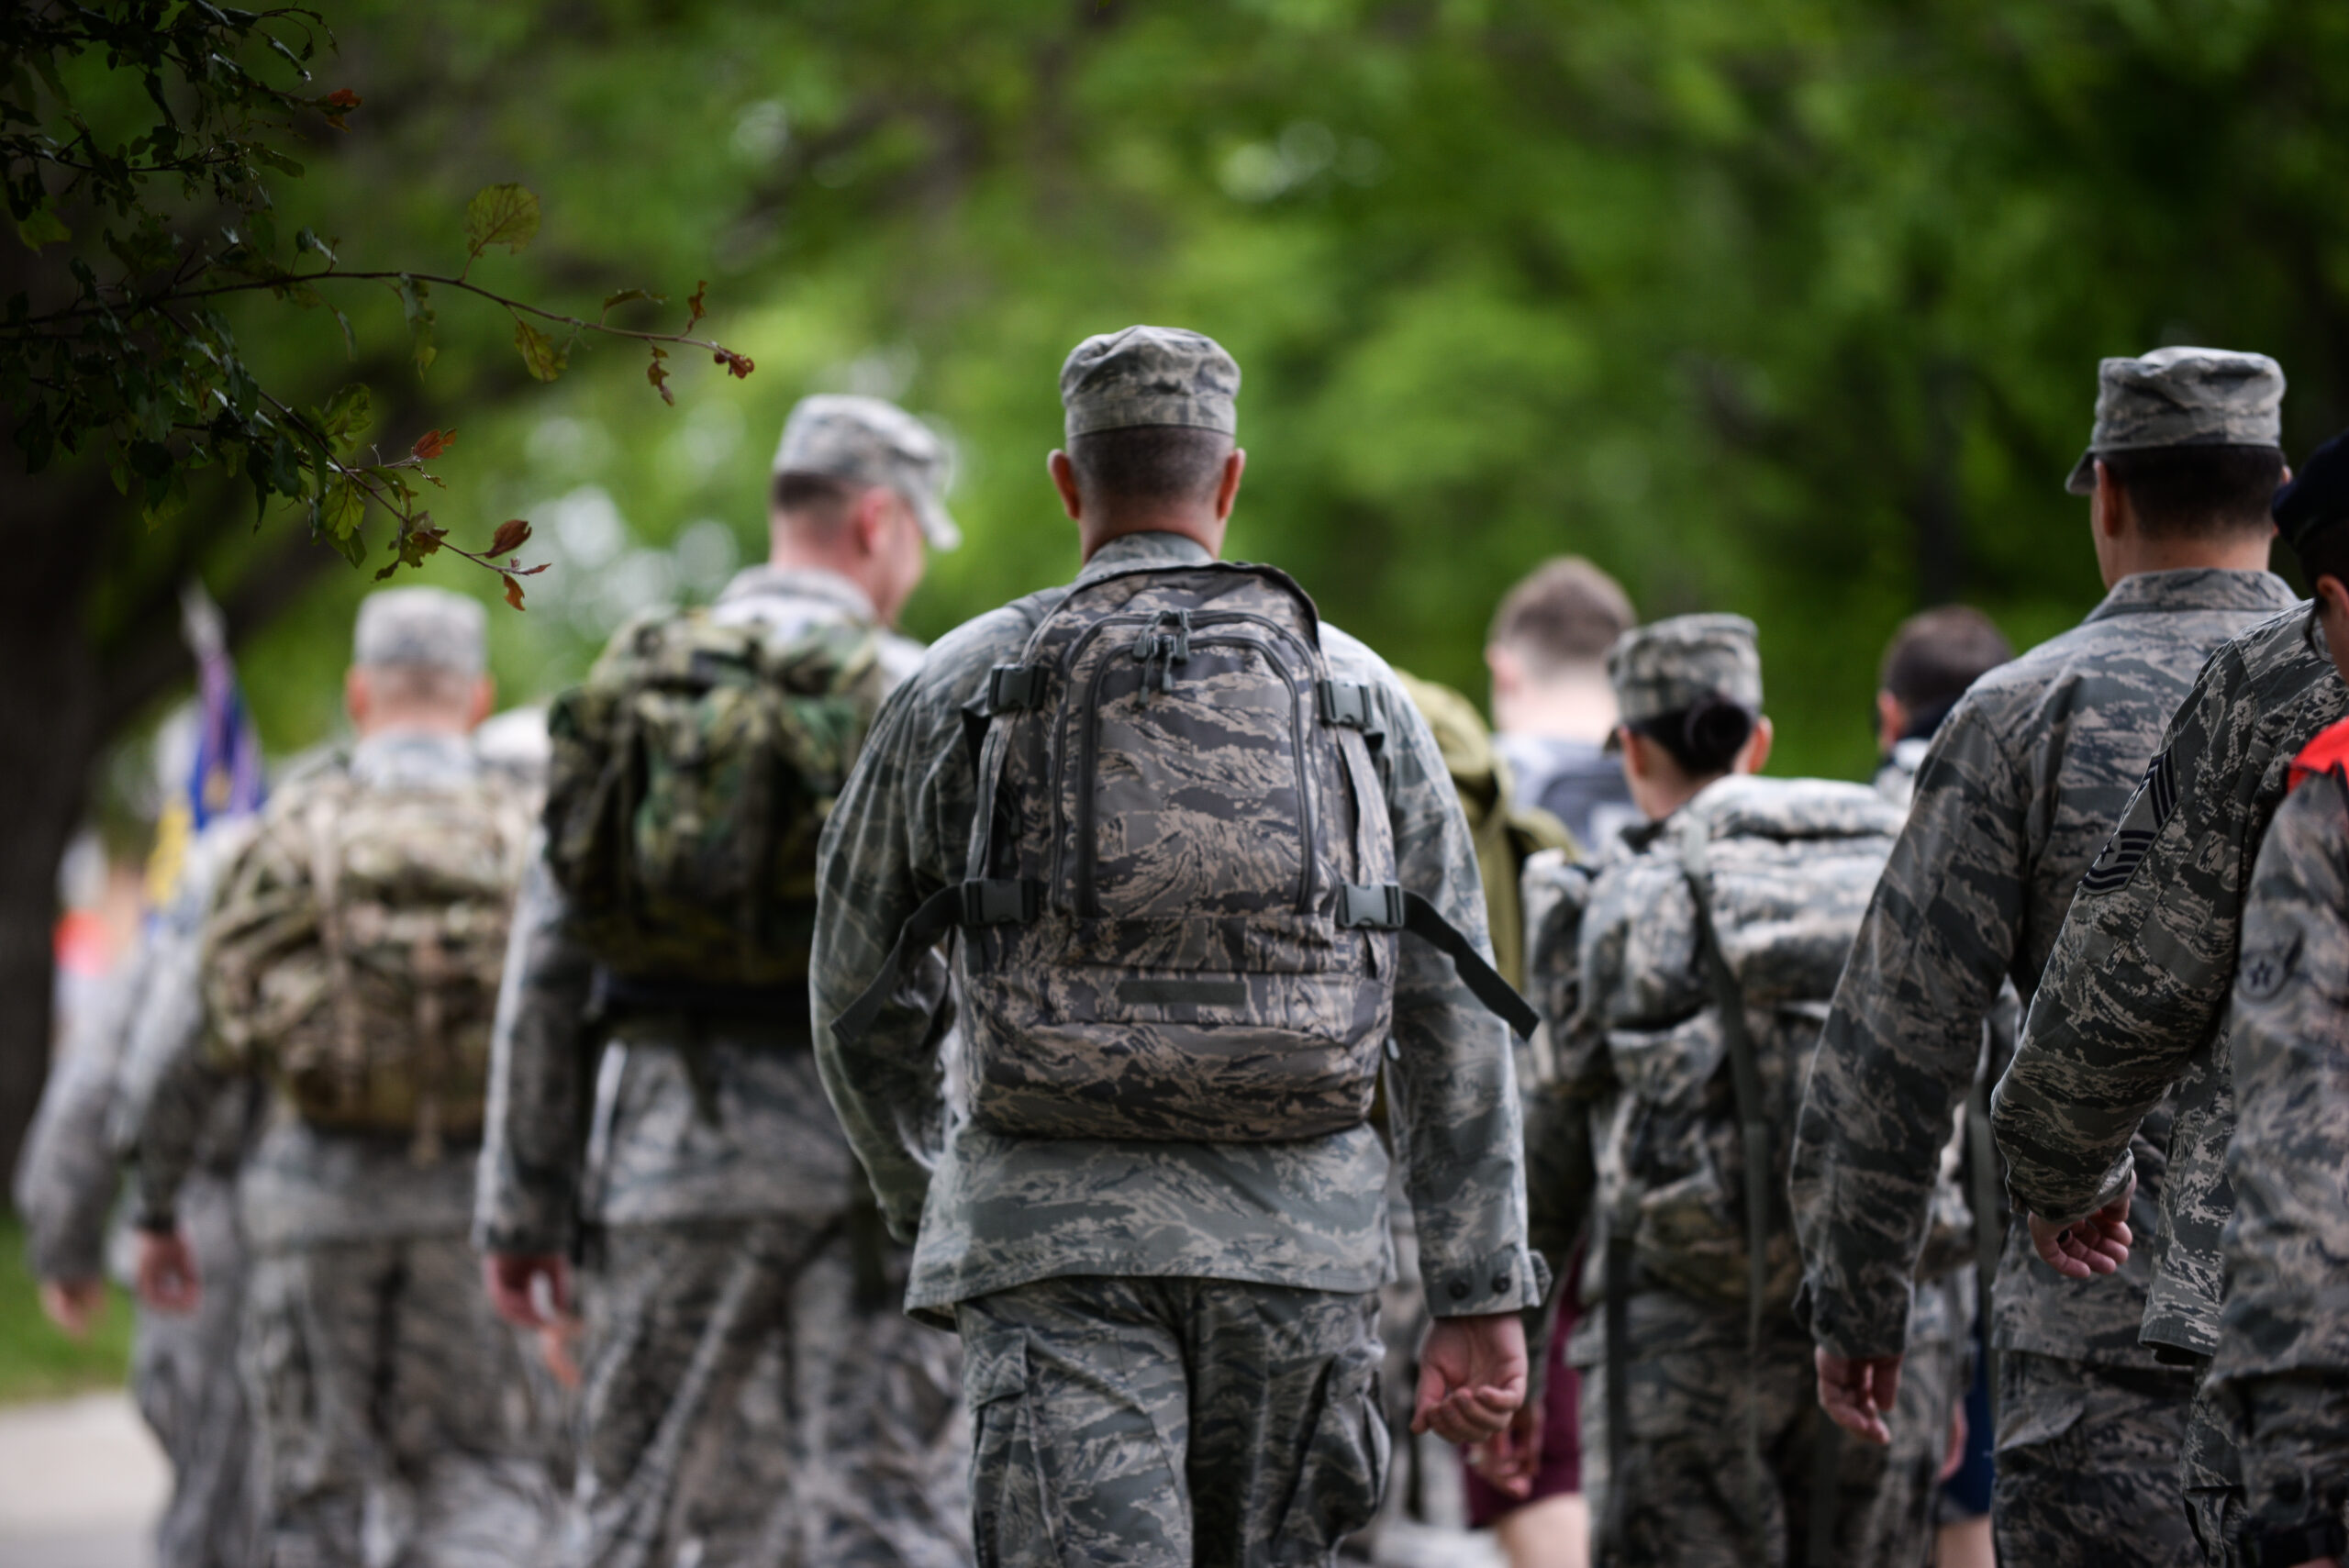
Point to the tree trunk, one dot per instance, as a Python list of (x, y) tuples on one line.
[(53, 534)]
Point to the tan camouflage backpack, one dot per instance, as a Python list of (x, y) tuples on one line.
[(354, 953), (1180, 916), (691, 777)]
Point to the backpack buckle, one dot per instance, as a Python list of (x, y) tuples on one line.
[(1001, 903), (1377, 906), (1345, 703), (1011, 687)]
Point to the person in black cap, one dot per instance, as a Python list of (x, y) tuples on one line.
[(2280, 1380)]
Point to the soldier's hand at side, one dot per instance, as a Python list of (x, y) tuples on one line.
[(74, 1304), (2086, 1247), (1509, 1460), (1856, 1392), (1472, 1376), (513, 1282), (167, 1277)]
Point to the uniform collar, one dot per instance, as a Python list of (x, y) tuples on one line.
[(768, 581), (410, 757), (1129, 551), (2195, 588)]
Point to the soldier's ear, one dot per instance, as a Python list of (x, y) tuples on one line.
[(358, 697), (1064, 473)]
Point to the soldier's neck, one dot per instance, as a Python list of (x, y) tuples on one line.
[(1200, 524)]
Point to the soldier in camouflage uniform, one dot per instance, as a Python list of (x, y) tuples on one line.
[(751, 1394), (2020, 787), (1703, 1444), (2131, 1010), (182, 1368), (399, 1421), (1171, 1344)]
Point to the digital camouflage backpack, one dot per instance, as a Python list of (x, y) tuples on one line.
[(1180, 916), (691, 777), (354, 952)]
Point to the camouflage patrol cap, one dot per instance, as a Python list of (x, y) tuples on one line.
[(867, 441), (2182, 397), (1667, 665), (431, 628), (1149, 375)]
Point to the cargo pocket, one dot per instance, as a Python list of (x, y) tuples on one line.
[(1341, 1470), (1010, 1505)]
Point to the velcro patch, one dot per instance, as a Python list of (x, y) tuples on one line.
[(1183, 993)]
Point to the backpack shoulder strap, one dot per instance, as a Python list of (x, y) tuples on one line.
[(1757, 1145)]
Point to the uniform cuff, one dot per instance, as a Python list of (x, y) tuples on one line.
[(1510, 1279)]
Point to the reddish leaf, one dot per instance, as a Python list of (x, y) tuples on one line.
[(432, 443), (343, 98), (513, 590), (694, 304), (512, 534), (659, 376)]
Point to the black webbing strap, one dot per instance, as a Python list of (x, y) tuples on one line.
[(1989, 1203), (1618, 1312), (1000, 903), (1755, 1146), (1383, 907)]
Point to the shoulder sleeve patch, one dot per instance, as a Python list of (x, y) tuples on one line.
[(2140, 823), (2265, 972)]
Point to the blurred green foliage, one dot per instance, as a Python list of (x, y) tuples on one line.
[(37, 1360), (1786, 307)]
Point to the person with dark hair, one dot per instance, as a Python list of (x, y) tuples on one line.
[(2120, 1081), (1930, 662), (2021, 783), (1553, 709), (2279, 1381), (1681, 977), (1207, 880)]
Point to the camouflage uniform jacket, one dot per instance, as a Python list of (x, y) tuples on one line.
[(66, 1178), (1642, 1070), (2133, 1001), (2282, 1367), (2020, 787), (998, 1211), (302, 1185), (686, 1122)]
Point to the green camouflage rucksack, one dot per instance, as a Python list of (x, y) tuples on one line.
[(354, 952), (691, 777)]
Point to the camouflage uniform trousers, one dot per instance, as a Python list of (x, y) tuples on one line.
[(1163, 1422), (183, 1374), (2211, 1471), (1688, 1502), (740, 1406), (401, 1424), (2087, 1464)]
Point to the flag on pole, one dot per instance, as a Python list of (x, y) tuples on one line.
[(224, 778)]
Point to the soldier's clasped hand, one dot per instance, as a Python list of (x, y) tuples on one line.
[(2097, 1244)]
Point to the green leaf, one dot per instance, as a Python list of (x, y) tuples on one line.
[(612, 300), (274, 159), (539, 352), (414, 294), (501, 215), (348, 415), (350, 344), (341, 510), (306, 239), (42, 227)]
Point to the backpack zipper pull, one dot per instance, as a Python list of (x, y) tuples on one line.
[(1157, 647)]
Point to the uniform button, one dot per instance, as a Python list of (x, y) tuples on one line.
[(1500, 1284), (1460, 1290)]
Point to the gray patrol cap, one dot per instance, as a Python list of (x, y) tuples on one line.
[(2182, 397), (1149, 375), (1667, 665), (431, 628), (867, 441)]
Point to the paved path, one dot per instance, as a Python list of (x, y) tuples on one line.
[(81, 1483)]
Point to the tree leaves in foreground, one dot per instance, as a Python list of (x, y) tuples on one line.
[(159, 126)]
